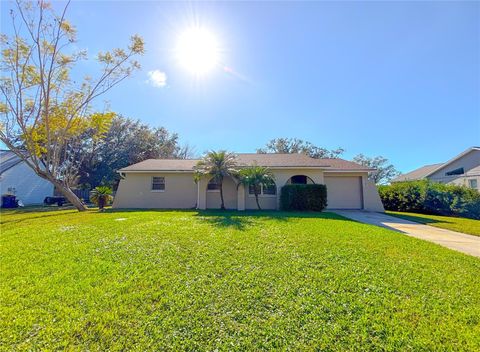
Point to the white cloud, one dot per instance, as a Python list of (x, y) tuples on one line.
[(157, 78)]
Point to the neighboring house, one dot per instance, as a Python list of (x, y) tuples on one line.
[(18, 179), (162, 183), (463, 170)]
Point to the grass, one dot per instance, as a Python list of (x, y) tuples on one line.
[(186, 280), (464, 225)]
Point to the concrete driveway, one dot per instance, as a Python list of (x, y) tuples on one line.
[(458, 241)]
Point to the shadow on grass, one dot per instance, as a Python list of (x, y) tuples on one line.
[(23, 214), (241, 219), (420, 219)]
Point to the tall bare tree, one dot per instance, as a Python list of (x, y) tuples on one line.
[(44, 111)]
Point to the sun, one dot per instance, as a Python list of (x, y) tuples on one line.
[(198, 51)]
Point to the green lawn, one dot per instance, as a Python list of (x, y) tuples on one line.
[(464, 225), (183, 280)]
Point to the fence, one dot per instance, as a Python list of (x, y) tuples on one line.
[(80, 193)]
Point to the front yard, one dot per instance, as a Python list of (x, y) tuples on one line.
[(184, 280), (464, 225)]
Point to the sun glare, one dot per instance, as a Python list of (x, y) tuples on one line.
[(198, 51)]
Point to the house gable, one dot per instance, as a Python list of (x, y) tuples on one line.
[(465, 164)]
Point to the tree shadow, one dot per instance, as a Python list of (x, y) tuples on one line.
[(24, 214), (420, 219), (242, 219)]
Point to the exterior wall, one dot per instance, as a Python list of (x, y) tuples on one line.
[(181, 192), (25, 184), (229, 195), (371, 198), (267, 202), (134, 191), (471, 165)]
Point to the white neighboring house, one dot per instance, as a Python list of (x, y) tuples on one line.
[(18, 179), (462, 170)]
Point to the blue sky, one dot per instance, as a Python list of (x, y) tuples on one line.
[(398, 79)]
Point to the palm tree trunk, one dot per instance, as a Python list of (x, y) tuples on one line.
[(222, 206), (256, 199)]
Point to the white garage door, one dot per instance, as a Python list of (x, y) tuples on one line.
[(344, 192)]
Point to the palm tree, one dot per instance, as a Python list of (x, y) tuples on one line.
[(101, 196), (217, 165), (256, 177)]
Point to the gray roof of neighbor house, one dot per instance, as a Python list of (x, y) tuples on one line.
[(270, 160), (8, 159), (417, 174), (427, 170)]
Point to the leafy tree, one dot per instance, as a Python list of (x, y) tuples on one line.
[(384, 170), (256, 176), (101, 196), (295, 145), (44, 111), (126, 142), (217, 165)]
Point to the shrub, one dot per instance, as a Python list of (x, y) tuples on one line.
[(303, 197), (431, 198), (101, 196)]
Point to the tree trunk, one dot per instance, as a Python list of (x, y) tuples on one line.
[(256, 199), (222, 206), (72, 198), (101, 203)]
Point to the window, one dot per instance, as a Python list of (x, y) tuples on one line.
[(263, 190), (251, 189), (270, 190), (473, 183), (458, 171), (158, 183), (213, 185), (299, 180)]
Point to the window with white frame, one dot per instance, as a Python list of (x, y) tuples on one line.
[(473, 183), (213, 185), (270, 190), (158, 183)]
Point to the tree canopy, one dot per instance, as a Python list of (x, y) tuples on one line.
[(126, 142), (296, 145), (384, 170)]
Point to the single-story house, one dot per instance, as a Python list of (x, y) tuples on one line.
[(18, 179), (462, 170), (167, 183)]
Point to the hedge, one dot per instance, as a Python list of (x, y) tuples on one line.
[(431, 198), (303, 197)]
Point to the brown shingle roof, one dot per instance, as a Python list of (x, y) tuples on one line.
[(244, 159)]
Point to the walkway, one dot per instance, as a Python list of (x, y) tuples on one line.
[(458, 241)]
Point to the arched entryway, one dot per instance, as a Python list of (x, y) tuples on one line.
[(229, 194), (300, 180)]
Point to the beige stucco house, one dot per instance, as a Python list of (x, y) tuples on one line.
[(462, 170), (169, 184)]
